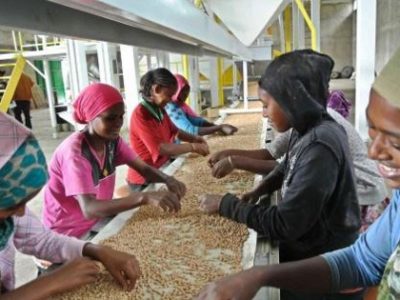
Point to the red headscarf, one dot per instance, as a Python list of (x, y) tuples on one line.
[(182, 82), (94, 100)]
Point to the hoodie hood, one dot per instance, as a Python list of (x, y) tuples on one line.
[(299, 81)]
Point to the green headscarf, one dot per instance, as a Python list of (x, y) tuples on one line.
[(23, 169)]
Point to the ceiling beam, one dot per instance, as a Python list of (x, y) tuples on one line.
[(51, 18), (176, 19)]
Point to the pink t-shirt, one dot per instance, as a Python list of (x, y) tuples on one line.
[(75, 169)]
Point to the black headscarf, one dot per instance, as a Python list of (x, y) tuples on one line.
[(299, 82)]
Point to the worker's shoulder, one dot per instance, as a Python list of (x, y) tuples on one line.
[(26, 78), (328, 133)]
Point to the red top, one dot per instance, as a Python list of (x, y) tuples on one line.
[(146, 135)]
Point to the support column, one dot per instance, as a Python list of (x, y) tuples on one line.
[(186, 73), (288, 28), (214, 81), (194, 82), (235, 91), (245, 86), (301, 32), (234, 74), (163, 59), (281, 32), (316, 19), (148, 61), (130, 69), (50, 98), (295, 26), (298, 28), (105, 63), (221, 99), (73, 69), (80, 53), (365, 60)]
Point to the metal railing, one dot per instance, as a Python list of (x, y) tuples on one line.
[(11, 81)]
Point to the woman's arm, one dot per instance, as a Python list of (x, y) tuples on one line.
[(209, 129), (230, 163), (171, 149), (94, 209), (77, 273), (359, 265), (81, 271), (195, 144), (204, 122), (154, 175), (122, 266), (302, 204), (309, 276), (190, 138), (259, 154)]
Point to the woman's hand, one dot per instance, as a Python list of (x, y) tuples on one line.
[(216, 157), (210, 203), (122, 266), (74, 274), (166, 200), (254, 195), (200, 139), (240, 286), (251, 197), (176, 187), (227, 129), (200, 148), (223, 167)]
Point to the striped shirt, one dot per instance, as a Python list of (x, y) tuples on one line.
[(31, 238)]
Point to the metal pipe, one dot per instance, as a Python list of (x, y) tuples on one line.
[(14, 40), (7, 50), (7, 65), (21, 46), (36, 69), (36, 42)]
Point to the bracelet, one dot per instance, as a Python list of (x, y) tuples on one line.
[(230, 161)]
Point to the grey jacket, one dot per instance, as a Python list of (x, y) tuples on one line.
[(370, 185)]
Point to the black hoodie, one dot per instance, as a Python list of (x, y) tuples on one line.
[(319, 210)]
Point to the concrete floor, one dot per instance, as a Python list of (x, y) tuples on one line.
[(24, 266)]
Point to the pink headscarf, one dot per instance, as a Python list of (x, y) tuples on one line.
[(182, 82), (94, 100)]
